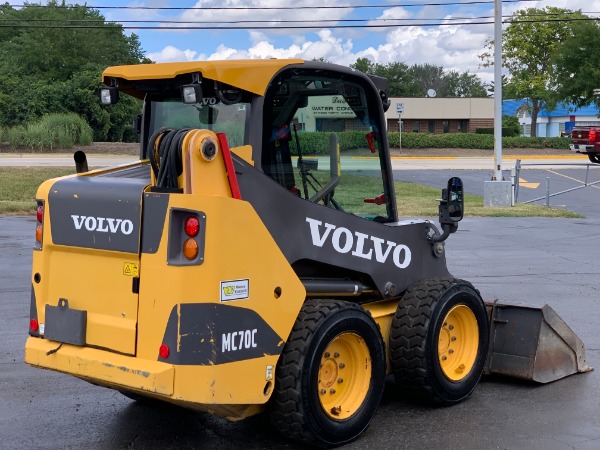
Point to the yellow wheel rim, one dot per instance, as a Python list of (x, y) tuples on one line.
[(344, 376), (458, 343)]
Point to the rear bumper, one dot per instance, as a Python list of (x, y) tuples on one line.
[(92, 364), (582, 148)]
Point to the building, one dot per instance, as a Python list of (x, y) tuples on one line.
[(440, 115), (552, 123)]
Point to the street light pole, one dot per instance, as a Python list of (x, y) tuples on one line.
[(497, 90)]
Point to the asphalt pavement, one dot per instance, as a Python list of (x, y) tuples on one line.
[(528, 261)]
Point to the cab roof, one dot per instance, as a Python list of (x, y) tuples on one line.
[(251, 75)]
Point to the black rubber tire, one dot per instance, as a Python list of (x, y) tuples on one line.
[(594, 157), (295, 407), (414, 339)]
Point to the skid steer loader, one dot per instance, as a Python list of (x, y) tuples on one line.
[(228, 272)]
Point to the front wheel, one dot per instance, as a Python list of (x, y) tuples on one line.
[(594, 157), (439, 339), (330, 376)]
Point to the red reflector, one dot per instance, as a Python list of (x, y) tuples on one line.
[(40, 214), (164, 351), (592, 136), (191, 226), (34, 325)]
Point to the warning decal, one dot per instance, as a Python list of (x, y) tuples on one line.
[(131, 269), (235, 290)]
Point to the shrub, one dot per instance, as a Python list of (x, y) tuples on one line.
[(474, 140), (506, 131), (511, 125), (52, 131)]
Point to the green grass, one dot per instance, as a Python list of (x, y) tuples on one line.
[(418, 200), (18, 186)]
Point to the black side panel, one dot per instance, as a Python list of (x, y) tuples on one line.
[(97, 212), (155, 214), (217, 334), (309, 232)]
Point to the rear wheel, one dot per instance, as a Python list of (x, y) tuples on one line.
[(594, 157), (439, 339), (330, 376)]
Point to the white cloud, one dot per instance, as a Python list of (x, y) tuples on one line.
[(172, 54), (454, 47)]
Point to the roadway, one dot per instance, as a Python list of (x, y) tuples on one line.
[(348, 163), (527, 261)]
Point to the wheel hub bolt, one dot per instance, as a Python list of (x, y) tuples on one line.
[(332, 391), (451, 327), (453, 338), (323, 391), (444, 358), (340, 380), (327, 355), (342, 365), (450, 351), (336, 355)]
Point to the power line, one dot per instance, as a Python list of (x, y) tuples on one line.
[(159, 21), (287, 27), (275, 8)]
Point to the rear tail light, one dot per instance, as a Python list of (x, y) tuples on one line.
[(34, 326), (190, 249), (592, 136), (187, 231), (164, 351), (39, 227), (192, 226)]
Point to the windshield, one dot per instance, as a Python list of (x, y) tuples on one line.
[(210, 114), (316, 125)]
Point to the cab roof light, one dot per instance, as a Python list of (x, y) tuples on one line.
[(108, 95), (192, 93)]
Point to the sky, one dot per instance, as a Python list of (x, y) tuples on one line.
[(409, 40)]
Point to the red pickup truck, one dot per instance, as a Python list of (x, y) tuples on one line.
[(587, 140)]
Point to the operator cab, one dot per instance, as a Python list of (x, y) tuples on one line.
[(309, 116)]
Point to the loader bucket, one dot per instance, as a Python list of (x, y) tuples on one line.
[(532, 344)]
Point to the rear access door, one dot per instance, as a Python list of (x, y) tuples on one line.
[(90, 270)]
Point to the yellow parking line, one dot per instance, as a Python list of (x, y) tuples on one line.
[(571, 178)]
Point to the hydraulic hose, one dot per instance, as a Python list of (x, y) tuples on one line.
[(164, 152)]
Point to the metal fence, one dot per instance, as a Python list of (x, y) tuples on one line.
[(517, 170)]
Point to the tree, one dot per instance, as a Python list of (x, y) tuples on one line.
[(428, 76), (41, 67), (510, 125), (416, 80), (463, 85), (396, 73), (578, 66), (529, 46)]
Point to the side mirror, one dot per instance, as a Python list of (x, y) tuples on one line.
[(451, 208), (452, 205)]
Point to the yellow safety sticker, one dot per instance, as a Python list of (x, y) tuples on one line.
[(131, 269)]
